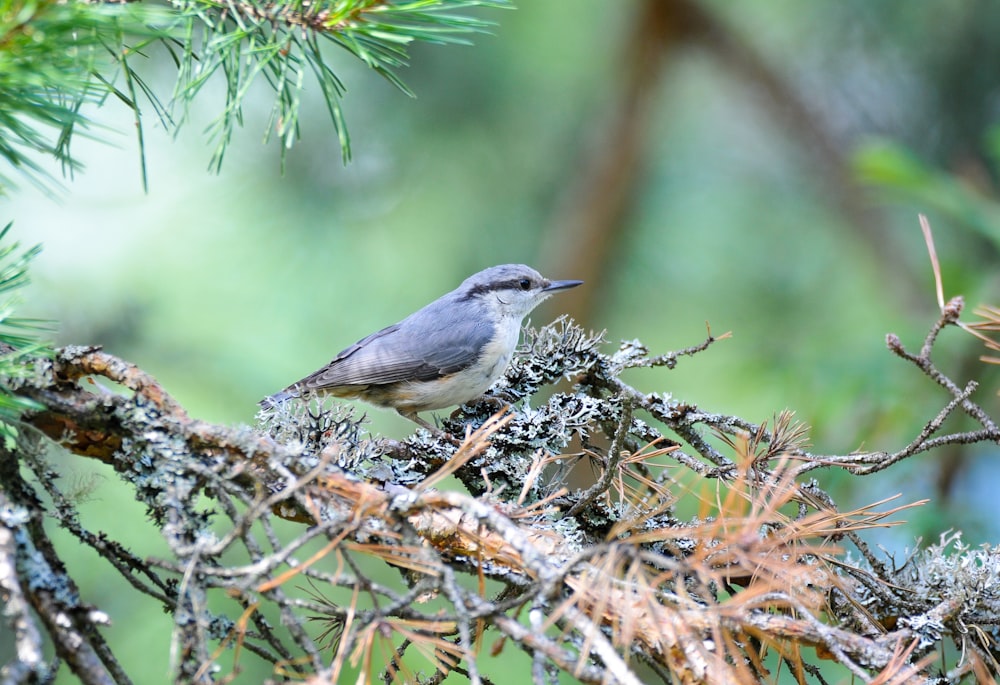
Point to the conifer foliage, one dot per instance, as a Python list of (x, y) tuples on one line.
[(57, 58)]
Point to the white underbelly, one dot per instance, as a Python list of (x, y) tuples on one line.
[(466, 385)]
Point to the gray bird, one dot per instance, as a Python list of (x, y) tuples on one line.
[(448, 353)]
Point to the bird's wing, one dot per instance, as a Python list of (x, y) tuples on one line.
[(400, 353)]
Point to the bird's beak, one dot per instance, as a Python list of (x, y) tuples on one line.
[(553, 286)]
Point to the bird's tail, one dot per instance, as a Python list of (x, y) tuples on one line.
[(277, 399)]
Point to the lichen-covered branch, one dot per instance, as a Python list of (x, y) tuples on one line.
[(593, 580)]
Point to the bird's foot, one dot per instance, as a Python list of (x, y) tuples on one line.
[(434, 430), (498, 403)]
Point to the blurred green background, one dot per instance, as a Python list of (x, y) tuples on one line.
[(756, 165)]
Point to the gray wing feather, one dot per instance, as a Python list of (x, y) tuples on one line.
[(406, 351)]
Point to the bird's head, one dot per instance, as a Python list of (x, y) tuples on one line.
[(512, 290)]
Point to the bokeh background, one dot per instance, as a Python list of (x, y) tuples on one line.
[(759, 166)]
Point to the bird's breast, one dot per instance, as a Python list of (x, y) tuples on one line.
[(496, 354)]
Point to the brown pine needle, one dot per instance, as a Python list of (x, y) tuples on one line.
[(296, 570), (473, 444), (925, 226)]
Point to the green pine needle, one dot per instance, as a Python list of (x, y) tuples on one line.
[(20, 345), (57, 56)]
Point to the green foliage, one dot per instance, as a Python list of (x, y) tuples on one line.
[(18, 339), (282, 42), (50, 56), (55, 57), (895, 169)]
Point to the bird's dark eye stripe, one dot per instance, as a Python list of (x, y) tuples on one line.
[(523, 283), (517, 284)]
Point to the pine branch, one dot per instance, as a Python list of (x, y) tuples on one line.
[(591, 580), (609, 574), (50, 53), (57, 57)]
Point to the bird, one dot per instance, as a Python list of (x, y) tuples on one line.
[(447, 353)]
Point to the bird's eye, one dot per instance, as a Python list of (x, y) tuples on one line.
[(525, 284)]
